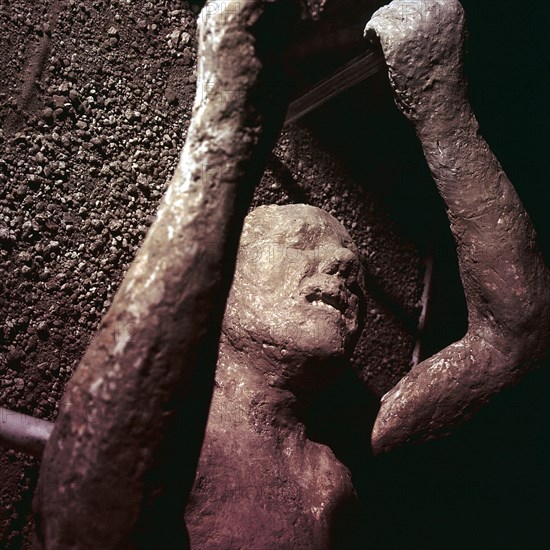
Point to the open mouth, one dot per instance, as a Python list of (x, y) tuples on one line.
[(328, 299)]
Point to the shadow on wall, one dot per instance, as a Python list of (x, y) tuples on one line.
[(486, 487)]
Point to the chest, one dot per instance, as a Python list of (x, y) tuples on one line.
[(261, 496)]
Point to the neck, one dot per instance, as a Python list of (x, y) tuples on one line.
[(249, 383)]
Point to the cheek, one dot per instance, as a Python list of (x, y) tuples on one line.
[(292, 265), (283, 278)]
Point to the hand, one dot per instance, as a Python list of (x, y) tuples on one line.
[(422, 44)]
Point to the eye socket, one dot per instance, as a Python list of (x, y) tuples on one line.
[(343, 262)]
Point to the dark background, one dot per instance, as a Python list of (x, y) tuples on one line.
[(488, 485)]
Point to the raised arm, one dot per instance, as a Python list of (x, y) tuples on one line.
[(506, 283), (121, 459)]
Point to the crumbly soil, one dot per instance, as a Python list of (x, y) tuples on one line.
[(95, 100)]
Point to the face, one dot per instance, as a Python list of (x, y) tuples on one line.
[(297, 286)]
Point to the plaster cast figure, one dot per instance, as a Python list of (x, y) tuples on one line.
[(506, 284), (261, 483), (293, 311)]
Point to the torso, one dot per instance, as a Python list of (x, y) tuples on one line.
[(265, 490)]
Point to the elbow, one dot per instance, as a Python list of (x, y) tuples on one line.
[(514, 317), (521, 333)]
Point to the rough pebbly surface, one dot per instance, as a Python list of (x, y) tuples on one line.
[(95, 100), (81, 184)]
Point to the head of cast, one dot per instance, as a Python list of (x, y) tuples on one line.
[(297, 299)]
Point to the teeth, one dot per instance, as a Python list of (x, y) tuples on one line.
[(320, 303)]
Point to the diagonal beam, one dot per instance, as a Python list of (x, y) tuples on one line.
[(352, 73)]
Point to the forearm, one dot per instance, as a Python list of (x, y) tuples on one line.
[(507, 289), (506, 283), (122, 454), (505, 280)]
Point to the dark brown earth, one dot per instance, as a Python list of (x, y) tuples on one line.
[(96, 103), (94, 106)]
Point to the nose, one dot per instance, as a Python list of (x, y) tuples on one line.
[(339, 260)]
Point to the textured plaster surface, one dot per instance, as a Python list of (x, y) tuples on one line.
[(292, 316), (506, 283)]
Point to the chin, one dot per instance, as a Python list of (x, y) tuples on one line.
[(328, 338), (321, 345)]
